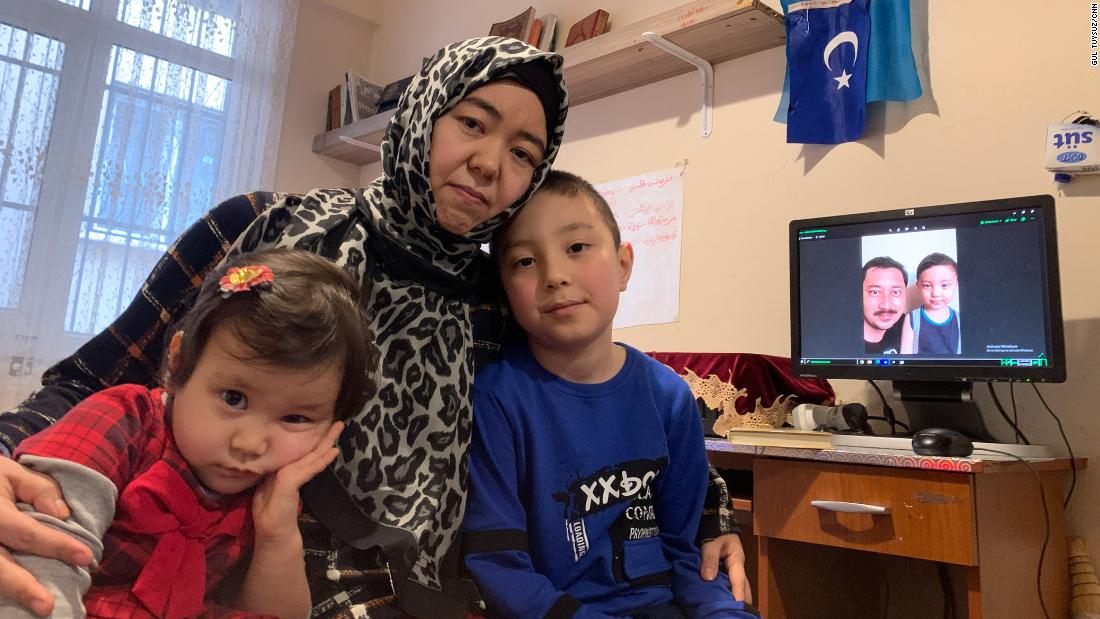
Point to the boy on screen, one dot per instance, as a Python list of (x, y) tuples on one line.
[(933, 328)]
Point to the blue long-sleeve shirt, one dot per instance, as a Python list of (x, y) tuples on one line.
[(585, 499)]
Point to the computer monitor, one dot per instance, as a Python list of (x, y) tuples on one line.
[(933, 298)]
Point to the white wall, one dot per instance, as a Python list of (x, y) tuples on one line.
[(993, 79), (332, 36)]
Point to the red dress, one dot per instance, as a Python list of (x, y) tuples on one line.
[(171, 541)]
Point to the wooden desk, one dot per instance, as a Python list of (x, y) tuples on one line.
[(977, 526)]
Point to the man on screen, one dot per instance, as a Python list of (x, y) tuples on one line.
[(884, 282)]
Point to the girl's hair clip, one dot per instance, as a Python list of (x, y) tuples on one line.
[(242, 279)]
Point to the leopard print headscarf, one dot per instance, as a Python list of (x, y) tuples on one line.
[(400, 479)]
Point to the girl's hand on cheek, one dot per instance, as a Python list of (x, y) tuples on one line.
[(275, 504)]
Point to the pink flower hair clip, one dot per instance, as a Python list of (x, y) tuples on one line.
[(241, 279)]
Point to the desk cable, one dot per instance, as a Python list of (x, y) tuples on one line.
[(1015, 412), (1069, 448), (1009, 420), (887, 413), (1046, 521), (948, 591), (1021, 435), (886, 586)]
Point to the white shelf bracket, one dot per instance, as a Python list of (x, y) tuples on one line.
[(706, 71), (360, 144)]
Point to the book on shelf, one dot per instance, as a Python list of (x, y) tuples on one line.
[(782, 437), (592, 26), (364, 95), (391, 94), (549, 32), (518, 27), (345, 105), (334, 112), (536, 33)]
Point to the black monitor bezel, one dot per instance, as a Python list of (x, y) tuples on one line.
[(1054, 373)]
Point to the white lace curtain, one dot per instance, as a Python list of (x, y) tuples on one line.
[(121, 122)]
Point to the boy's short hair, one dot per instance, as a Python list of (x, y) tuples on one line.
[(934, 260), (313, 312), (885, 262), (562, 183)]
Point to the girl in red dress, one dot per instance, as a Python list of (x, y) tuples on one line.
[(172, 488)]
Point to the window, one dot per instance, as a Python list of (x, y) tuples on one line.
[(30, 68), (163, 123), (115, 119)]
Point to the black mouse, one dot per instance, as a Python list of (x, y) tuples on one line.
[(942, 442)]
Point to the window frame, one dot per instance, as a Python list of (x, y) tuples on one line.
[(88, 38)]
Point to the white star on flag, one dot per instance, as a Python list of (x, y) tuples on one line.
[(842, 81)]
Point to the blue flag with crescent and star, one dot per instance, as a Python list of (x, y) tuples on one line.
[(827, 44), (891, 69)]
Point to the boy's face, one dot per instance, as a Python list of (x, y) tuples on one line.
[(235, 421), (937, 286), (484, 152), (563, 273)]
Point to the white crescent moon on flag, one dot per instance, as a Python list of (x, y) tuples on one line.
[(844, 37)]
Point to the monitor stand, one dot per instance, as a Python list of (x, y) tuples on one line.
[(942, 405)]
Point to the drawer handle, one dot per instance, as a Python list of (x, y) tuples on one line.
[(844, 506)]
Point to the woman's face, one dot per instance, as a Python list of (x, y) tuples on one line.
[(484, 153)]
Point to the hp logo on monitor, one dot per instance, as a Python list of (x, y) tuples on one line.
[(908, 212)]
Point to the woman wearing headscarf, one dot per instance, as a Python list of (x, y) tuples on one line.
[(472, 137), (474, 112)]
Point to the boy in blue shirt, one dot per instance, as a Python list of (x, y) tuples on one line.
[(588, 467)]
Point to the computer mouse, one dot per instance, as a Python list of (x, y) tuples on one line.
[(942, 442)]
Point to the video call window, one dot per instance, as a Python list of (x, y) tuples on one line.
[(951, 288), (910, 293)]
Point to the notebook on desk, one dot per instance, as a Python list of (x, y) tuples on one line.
[(783, 437)]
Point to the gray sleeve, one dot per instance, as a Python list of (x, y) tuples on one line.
[(91, 497)]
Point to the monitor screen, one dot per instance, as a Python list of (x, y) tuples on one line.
[(942, 293)]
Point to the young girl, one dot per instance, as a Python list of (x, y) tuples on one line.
[(171, 487)]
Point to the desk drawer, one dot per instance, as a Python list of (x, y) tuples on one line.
[(930, 514)]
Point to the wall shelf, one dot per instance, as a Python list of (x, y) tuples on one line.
[(368, 130), (621, 59)]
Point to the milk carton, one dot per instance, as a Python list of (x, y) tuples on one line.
[(1072, 148)]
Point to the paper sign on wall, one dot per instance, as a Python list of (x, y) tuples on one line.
[(649, 209)]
